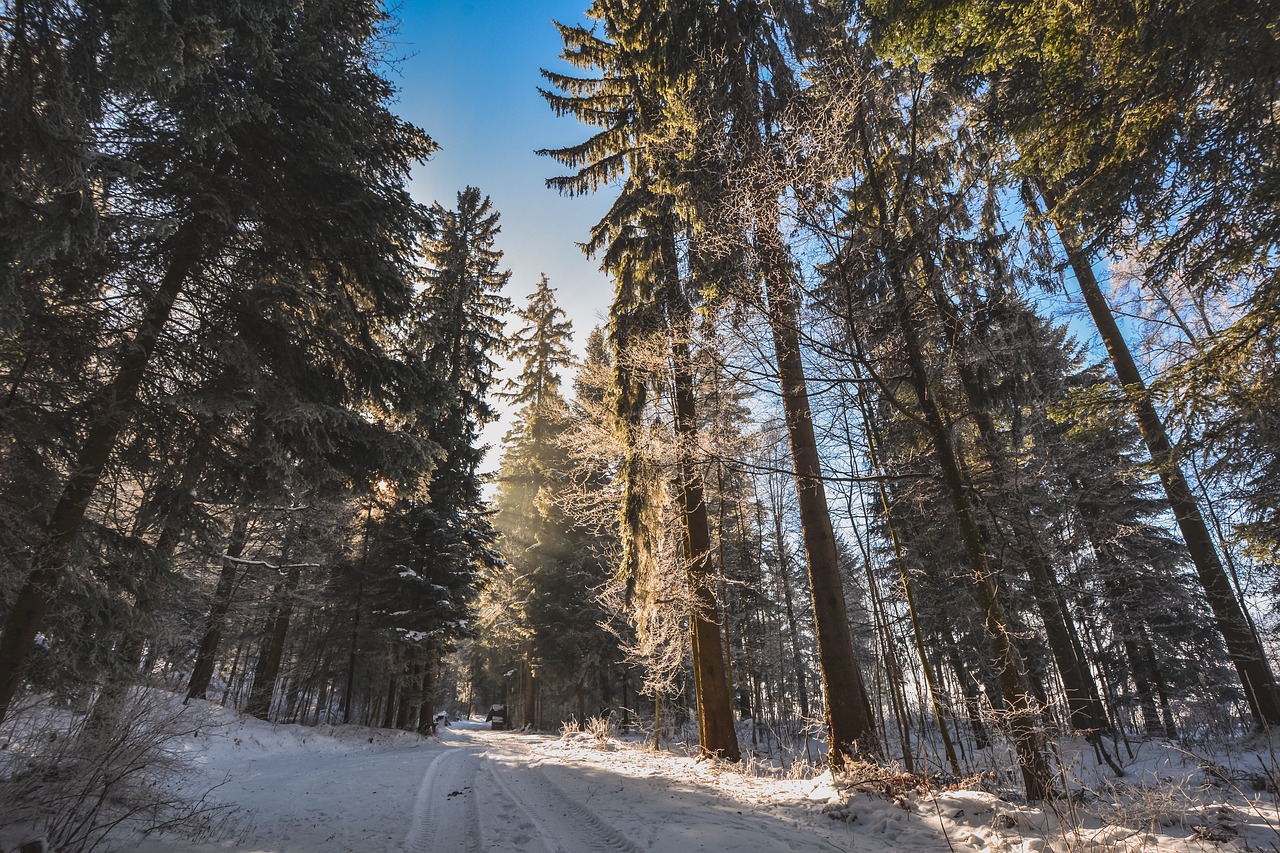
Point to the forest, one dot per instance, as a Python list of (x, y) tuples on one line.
[(936, 417)]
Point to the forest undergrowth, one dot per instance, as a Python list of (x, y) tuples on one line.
[(83, 782), (1213, 792)]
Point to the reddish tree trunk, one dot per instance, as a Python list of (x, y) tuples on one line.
[(849, 719)]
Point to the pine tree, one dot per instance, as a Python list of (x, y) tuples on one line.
[(638, 239), (1148, 115), (262, 137), (433, 544), (897, 182), (731, 71), (1171, 139), (542, 346), (461, 335), (558, 560)]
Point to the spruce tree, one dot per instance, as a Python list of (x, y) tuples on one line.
[(441, 540), (541, 346), (558, 561), (638, 239), (261, 135), (1133, 121), (731, 71), (461, 334)]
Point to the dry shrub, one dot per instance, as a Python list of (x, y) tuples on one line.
[(867, 777), (88, 782), (1142, 805), (599, 731)]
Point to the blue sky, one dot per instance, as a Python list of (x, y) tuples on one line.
[(468, 77)]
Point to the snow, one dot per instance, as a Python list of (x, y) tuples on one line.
[(348, 788)]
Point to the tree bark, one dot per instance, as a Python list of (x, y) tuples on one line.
[(715, 704), (1022, 718), (1245, 651), (1084, 706), (264, 677), (788, 597), (530, 688), (969, 692), (410, 691), (118, 403), (1166, 713), (917, 632), (395, 665), (849, 719), (354, 650), (427, 703), (202, 671)]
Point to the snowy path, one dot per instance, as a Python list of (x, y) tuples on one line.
[(562, 824), (498, 791), (589, 800), (445, 815), (473, 790), (347, 789)]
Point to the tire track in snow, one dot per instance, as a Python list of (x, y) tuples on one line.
[(445, 814), (566, 825)]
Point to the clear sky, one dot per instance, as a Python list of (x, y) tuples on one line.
[(469, 78)]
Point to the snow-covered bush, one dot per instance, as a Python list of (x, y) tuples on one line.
[(600, 732), (72, 779)]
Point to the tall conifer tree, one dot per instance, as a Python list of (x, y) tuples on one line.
[(557, 559), (639, 239), (261, 133)]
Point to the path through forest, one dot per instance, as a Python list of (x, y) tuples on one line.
[(472, 789), (343, 789), (502, 791)]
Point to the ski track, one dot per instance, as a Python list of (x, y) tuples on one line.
[(564, 824), (522, 807), (445, 814)]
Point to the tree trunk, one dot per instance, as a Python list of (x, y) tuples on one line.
[(1146, 696), (129, 652), (394, 666), (1166, 713), (1242, 645), (970, 693), (788, 600), (530, 689), (1083, 704), (427, 703), (410, 692), (715, 704), (849, 720), (118, 403), (354, 650), (626, 701), (917, 632), (202, 671), (264, 677), (1022, 718)]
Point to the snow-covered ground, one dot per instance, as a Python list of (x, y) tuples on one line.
[(472, 789)]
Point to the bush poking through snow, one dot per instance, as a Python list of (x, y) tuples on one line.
[(1143, 805), (598, 731), (74, 779), (601, 729)]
